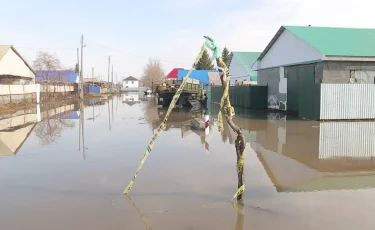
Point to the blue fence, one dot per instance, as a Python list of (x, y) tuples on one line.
[(92, 89)]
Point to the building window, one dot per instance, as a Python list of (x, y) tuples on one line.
[(132, 82)]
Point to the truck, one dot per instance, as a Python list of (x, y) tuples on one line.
[(191, 96)]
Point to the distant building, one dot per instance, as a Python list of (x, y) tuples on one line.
[(130, 83), (66, 76), (320, 72), (201, 75), (240, 67), (13, 68), (174, 73)]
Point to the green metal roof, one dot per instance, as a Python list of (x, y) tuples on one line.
[(247, 59), (356, 42)]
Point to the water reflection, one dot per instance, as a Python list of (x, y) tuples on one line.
[(296, 155), (310, 155), (15, 129), (291, 157), (131, 98), (47, 121)]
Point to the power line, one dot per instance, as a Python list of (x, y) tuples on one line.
[(134, 55)]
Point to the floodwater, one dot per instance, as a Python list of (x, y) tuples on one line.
[(298, 174)]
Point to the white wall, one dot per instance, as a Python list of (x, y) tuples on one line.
[(56, 89), (237, 72), (289, 49), (130, 84), (17, 89), (12, 64)]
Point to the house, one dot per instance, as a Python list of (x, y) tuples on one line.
[(174, 73), (201, 75), (240, 67), (13, 67), (130, 83), (320, 72)]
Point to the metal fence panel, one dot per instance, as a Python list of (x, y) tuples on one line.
[(347, 101)]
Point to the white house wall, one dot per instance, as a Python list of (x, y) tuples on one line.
[(289, 49), (237, 72), (12, 64), (130, 84)]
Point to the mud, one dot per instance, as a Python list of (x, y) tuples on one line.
[(13, 107)]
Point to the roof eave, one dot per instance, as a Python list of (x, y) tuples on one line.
[(27, 64), (349, 58)]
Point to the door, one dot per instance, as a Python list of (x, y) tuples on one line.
[(292, 94), (307, 91)]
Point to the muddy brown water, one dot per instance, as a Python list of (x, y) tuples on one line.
[(298, 174)]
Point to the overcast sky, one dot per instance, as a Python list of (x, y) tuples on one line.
[(170, 30)]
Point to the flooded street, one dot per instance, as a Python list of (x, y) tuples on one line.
[(298, 174)]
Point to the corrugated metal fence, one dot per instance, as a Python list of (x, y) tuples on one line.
[(92, 89), (250, 97), (347, 101)]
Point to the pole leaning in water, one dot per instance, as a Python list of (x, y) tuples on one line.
[(228, 110), (164, 122)]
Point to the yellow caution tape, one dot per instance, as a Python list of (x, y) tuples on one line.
[(240, 163), (240, 191), (164, 122), (229, 111)]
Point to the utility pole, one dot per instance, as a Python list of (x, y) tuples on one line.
[(81, 75), (116, 82), (77, 66), (112, 74), (92, 76), (109, 64)]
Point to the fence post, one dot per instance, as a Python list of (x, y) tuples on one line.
[(37, 93), (10, 94), (38, 115), (23, 92)]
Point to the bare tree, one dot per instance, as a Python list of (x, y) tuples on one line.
[(49, 69), (47, 63), (153, 72)]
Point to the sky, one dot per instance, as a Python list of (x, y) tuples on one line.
[(132, 32)]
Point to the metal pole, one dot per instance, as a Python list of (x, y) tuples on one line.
[(81, 75), (109, 64), (92, 76), (112, 79)]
